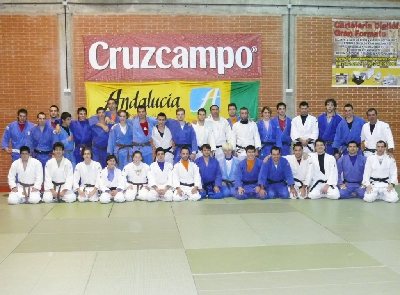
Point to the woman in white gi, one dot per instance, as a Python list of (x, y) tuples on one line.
[(186, 178), (380, 176), (160, 178), (85, 177), (59, 177), (135, 174), (25, 179), (111, 182), (324, 174)]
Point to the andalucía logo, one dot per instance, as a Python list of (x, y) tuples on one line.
[(204, 98)]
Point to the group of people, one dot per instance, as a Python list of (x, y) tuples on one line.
[(114, 157)]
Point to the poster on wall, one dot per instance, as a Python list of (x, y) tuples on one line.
[(366, 53), (167, 96)]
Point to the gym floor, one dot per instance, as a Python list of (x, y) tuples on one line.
[(206, 247)]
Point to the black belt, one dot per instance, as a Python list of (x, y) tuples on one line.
[(298, 180), (147, 143), (209, 183), (267, 142), (42, 152), (315, 184), (89, 185), (113, 188), (384, 180), (139, 185), (168, 150), (370, 150), (218, 146), (24, 186), (58, 184), (187, 184), (249, 182), (124, 146), (270, 181), (229, 183), (240, 147), (357, 182)]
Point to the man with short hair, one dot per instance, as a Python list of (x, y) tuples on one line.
[(204, 134), (220, 129), (229, 166), (136, 179), (375, 130), (41, 140), (232, 113), (183, 135), (66, 137), (25, 179), (305, 128), (142, 125), (82, 134), (54, 120), (111, 115), (160, 178), (245, 133), (211, 178), (16, 134), (162, 138), (282, 126), (349, 129), (246, 180), (380, 176), (59, 177), (276, 176), (186, 178), (324, 177), (327, 124), (351, 170), (86, 177), (100, 133), (300, 165)]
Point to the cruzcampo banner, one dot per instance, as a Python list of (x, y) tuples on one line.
[(168, 96), (366, 53)]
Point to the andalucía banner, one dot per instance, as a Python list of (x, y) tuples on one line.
[(366, 53), (168, 96)]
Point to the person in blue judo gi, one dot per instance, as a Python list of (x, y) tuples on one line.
[(41, 140), (327, 124), (82, 133), (120, 140), (16, 134), (54, 120), (111, 115), (349, 129), (351, 170), (142, 127), (100, 132), (232, 113), (66, 137), (229, 166), (183, 134), (210, 173), (246, 180), (276, 176), (281, 126), (266, 132)]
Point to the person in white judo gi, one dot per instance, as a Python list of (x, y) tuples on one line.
[(324, 176), (186, 178), (204, 132), (221, 131), (305, 128), (25, 179), (373, 131), (136, 177), (300, 163), (58, 177), (162, 137), (380, 176), (86, 176), (111, 182), (245, 133), (160, 178)]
